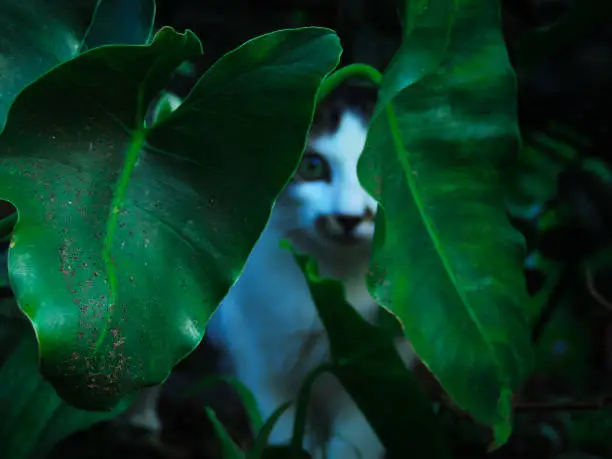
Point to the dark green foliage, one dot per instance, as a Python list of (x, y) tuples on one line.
[(128, 236), (141, 200)]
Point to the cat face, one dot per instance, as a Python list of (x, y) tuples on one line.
[(325, 200)]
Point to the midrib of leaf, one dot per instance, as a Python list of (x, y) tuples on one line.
[(366, 71), (402, 156), (136, 145), (328, 85)]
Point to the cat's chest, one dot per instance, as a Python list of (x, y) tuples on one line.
[(275, 290)]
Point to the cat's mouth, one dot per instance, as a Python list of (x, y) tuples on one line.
[(347, 240), (345, 231)]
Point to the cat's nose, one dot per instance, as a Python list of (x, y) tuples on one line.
[(348, 223)]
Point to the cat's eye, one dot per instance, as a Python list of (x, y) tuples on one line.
[(313, 168)]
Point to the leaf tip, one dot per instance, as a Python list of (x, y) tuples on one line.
[(189, 40)]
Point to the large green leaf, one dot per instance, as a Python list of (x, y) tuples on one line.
[(36, 35), (33, 417), (118, 21), (129, 237), (366, 362), (446, 260)]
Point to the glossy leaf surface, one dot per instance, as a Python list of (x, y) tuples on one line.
[(446, 260), (36, 35), (128, 237), (365, 360)]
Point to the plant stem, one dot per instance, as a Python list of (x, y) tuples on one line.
[(353, 70)]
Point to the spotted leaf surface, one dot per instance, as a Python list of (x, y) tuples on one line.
[(129, 237)]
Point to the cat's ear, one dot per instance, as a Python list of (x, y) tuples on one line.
[(365, 96)]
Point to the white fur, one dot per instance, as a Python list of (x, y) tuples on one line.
[(268, 325), (302, 203)]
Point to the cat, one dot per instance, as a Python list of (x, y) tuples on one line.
[(267, 327)]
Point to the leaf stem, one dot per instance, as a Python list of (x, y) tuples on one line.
[(89, 26), (369, 72), (350, 71), (301, 409)]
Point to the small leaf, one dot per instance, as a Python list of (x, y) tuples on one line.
[(446, 260), (246, 396), (128, 238), (33, 417), (302, 402), (167, 103), (229, 448), (257, 450), (366, 362)]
